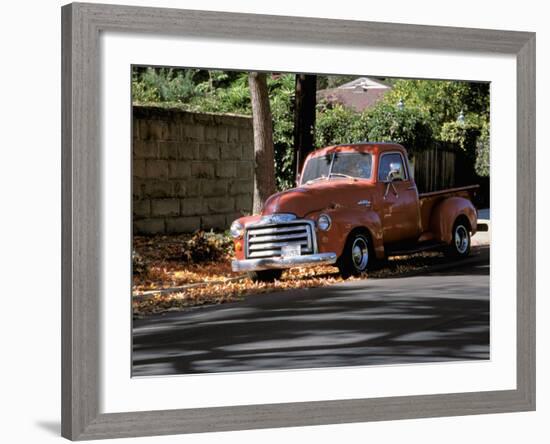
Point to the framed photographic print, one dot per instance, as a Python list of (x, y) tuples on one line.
[(278, 221)]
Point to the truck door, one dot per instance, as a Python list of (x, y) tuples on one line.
[(399, 201)]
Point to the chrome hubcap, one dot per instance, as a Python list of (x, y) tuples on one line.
[(360, 253), (461, 239)]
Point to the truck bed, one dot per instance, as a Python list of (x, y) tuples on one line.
[(428, 201)]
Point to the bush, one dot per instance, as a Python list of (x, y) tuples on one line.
[(483, 152), (222, 94), (281, 93), (464, 135), (408, 126), (206, 247), (336, 125), (440, 100), (473, 138), (383, 123), (163, 85)]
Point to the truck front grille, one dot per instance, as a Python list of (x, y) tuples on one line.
[(268, 240)]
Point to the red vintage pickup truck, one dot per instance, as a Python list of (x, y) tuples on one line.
[(355, 204)]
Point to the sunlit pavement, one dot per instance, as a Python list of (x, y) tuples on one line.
[(441, 316), (484, 223)]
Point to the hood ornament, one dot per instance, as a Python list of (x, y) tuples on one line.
[(274, 219), (365, 202), (279, 218)]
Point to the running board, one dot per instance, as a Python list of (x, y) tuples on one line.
[(416, 249)]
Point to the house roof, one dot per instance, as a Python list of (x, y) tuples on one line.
[(359, 94), (364, 83)]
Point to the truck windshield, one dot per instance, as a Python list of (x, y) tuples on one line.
[(338, 166)]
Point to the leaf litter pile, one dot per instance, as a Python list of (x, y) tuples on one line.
[(175, 272), (193, 270)]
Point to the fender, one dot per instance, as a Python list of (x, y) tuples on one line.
[(445, 214), (344, 220)]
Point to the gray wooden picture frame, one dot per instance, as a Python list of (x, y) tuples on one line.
[(81, 173)]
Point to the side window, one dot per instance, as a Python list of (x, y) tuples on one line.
[(384, 167)]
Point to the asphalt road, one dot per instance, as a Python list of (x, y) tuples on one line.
[(441, 316)]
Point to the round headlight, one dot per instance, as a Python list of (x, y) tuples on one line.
[(236, 229), (324, 222)]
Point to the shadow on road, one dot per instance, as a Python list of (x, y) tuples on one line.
[(441, 317), (476, 270)]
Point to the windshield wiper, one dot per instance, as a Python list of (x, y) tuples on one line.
[(316, 179), (341, 175)]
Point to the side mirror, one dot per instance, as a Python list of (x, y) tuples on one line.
[(396, 172)]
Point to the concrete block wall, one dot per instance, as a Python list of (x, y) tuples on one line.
[(190, 170)]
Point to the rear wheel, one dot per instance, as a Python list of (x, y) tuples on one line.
[(265, 275), (461, 242), (356, 256)]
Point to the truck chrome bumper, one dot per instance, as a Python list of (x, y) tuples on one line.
[(267, 263)]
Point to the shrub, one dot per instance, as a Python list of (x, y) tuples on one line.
[(440, 100), (464, 135), (383, 123), (473, 138), (206, 247), (337, 124), (281, 93), (163, 85), (408, 126), (483, 152), (221, 94)]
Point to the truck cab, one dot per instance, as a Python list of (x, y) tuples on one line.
[(355, 204)]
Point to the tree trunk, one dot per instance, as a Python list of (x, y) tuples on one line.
[(264, 169), (304, 119)]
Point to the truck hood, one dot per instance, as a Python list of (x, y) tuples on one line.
[(319, 196)]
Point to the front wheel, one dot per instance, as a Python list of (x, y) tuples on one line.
[(461, 242), (265, 275), (355, 257)]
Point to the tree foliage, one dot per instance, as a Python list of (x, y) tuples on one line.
[(408, 126), (337, 125), (429, 114), (472, 137), (281, 93), (441, 101), (383, 123), (482, 164), (163, 85), (223, 94)]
